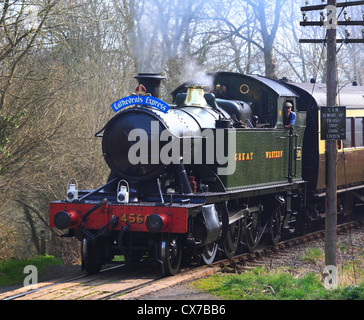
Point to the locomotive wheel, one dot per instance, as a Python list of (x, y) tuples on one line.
[(253, 230), (170, 253), (275, 225), (232, 239), (208, 253), (91, 256)]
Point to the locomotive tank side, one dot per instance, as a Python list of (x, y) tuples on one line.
[(266, 152)]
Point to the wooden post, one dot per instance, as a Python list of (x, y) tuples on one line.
[(331, 197)]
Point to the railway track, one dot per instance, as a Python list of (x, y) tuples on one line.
[(134, 281), (109, 282)]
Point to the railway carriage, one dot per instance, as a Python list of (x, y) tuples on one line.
[(216, 173), (350, 152)]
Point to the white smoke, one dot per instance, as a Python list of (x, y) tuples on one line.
[(193, 74), (202, 78), (162, 33)]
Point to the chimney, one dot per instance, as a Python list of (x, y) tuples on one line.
[(151, 81)]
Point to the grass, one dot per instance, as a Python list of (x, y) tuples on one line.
[(12, 271), (263, 284), (291, 284), (314, 255), (349, 271)]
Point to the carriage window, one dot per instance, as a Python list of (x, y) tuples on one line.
[(348, 141), (359, 132)]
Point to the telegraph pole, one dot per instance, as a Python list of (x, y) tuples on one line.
[(331, 25), (331, 197)]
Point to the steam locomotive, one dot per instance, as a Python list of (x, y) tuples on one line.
[(214, 173)]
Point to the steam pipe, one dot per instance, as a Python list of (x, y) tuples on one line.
[(183, 178)]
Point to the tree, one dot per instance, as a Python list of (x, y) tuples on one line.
[(20, 26), (53, 91), (268, 30), (260, 16)]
